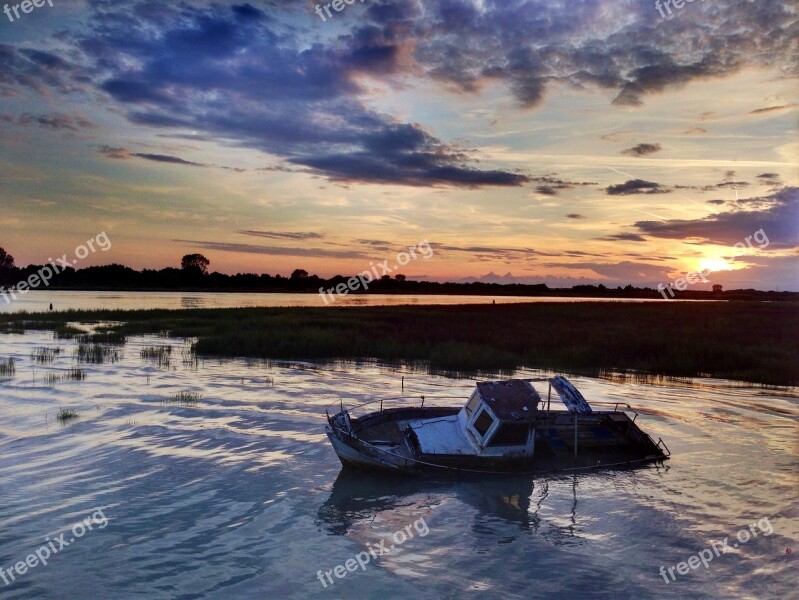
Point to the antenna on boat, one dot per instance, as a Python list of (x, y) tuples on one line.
[(403, 383)]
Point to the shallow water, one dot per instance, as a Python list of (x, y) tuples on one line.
[(40, 300), (241, 495)]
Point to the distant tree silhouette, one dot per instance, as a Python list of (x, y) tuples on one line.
[(6, 261), (195, 263), (299, 274), (401, 278)]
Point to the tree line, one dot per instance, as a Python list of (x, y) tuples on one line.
[(193, 275)]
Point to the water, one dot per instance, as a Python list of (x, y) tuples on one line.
[(40, 300), (241, 495)]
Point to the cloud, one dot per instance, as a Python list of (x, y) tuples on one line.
[(550, 185), (258, 79), (114, 152), (623, 237), (636, 186), (696, 131), (275, 93), (283, 235), (163, 158), (575, 216), (275, 250), (642, 150), (54, 122), (772, 109), (777, 215)]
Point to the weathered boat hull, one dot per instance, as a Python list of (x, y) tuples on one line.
[(564, 442)]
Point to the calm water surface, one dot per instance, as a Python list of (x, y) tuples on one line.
[(40, 300), (241, 495)]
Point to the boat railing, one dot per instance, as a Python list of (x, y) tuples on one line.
[(407, 401), (616, 405)]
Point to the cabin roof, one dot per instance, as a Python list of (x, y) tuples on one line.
[(510, 400)]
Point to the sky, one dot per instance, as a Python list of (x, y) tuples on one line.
[(560, 142)]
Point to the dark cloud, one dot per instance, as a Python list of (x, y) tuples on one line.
[(777, 215), (636, 186), (642, 149), (551, 184), (163, 158), (770, 179), (283, 235), (623, 237), (575, 216), (114, 152), (771, 109), (237, 76)]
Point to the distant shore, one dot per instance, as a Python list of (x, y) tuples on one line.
[(747, 341)]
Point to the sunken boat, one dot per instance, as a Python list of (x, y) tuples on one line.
[(504, 427)]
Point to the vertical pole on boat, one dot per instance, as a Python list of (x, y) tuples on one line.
[(575, 435), (422, 401), (403, 383), (549, 396)]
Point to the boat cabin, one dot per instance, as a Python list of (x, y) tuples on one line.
[(499, 417)]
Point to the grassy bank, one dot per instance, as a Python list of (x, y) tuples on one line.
[(748, 341)]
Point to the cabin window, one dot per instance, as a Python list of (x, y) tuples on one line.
[(473, 403), (511, 434), (483, 423)]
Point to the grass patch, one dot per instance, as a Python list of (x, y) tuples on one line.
[(73, 374), (66, 414), (7, 367), (45, 355), (113, 338), (97, 353), (160, 354), (64, 331), (186, 398)]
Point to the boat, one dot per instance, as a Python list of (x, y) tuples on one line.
[(504, 427)]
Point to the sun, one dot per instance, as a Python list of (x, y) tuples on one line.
[(714, 265)]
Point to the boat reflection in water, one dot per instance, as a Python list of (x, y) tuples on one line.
[(514, 502)]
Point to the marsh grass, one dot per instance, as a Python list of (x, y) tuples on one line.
[(45, 355), (7, 367), (113, 338), (73, 374), (66, 414), (64, 331), (186, 398), (97, 353), (160, 354), (748, 341)]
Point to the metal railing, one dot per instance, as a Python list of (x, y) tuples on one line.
[(396, 402)]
